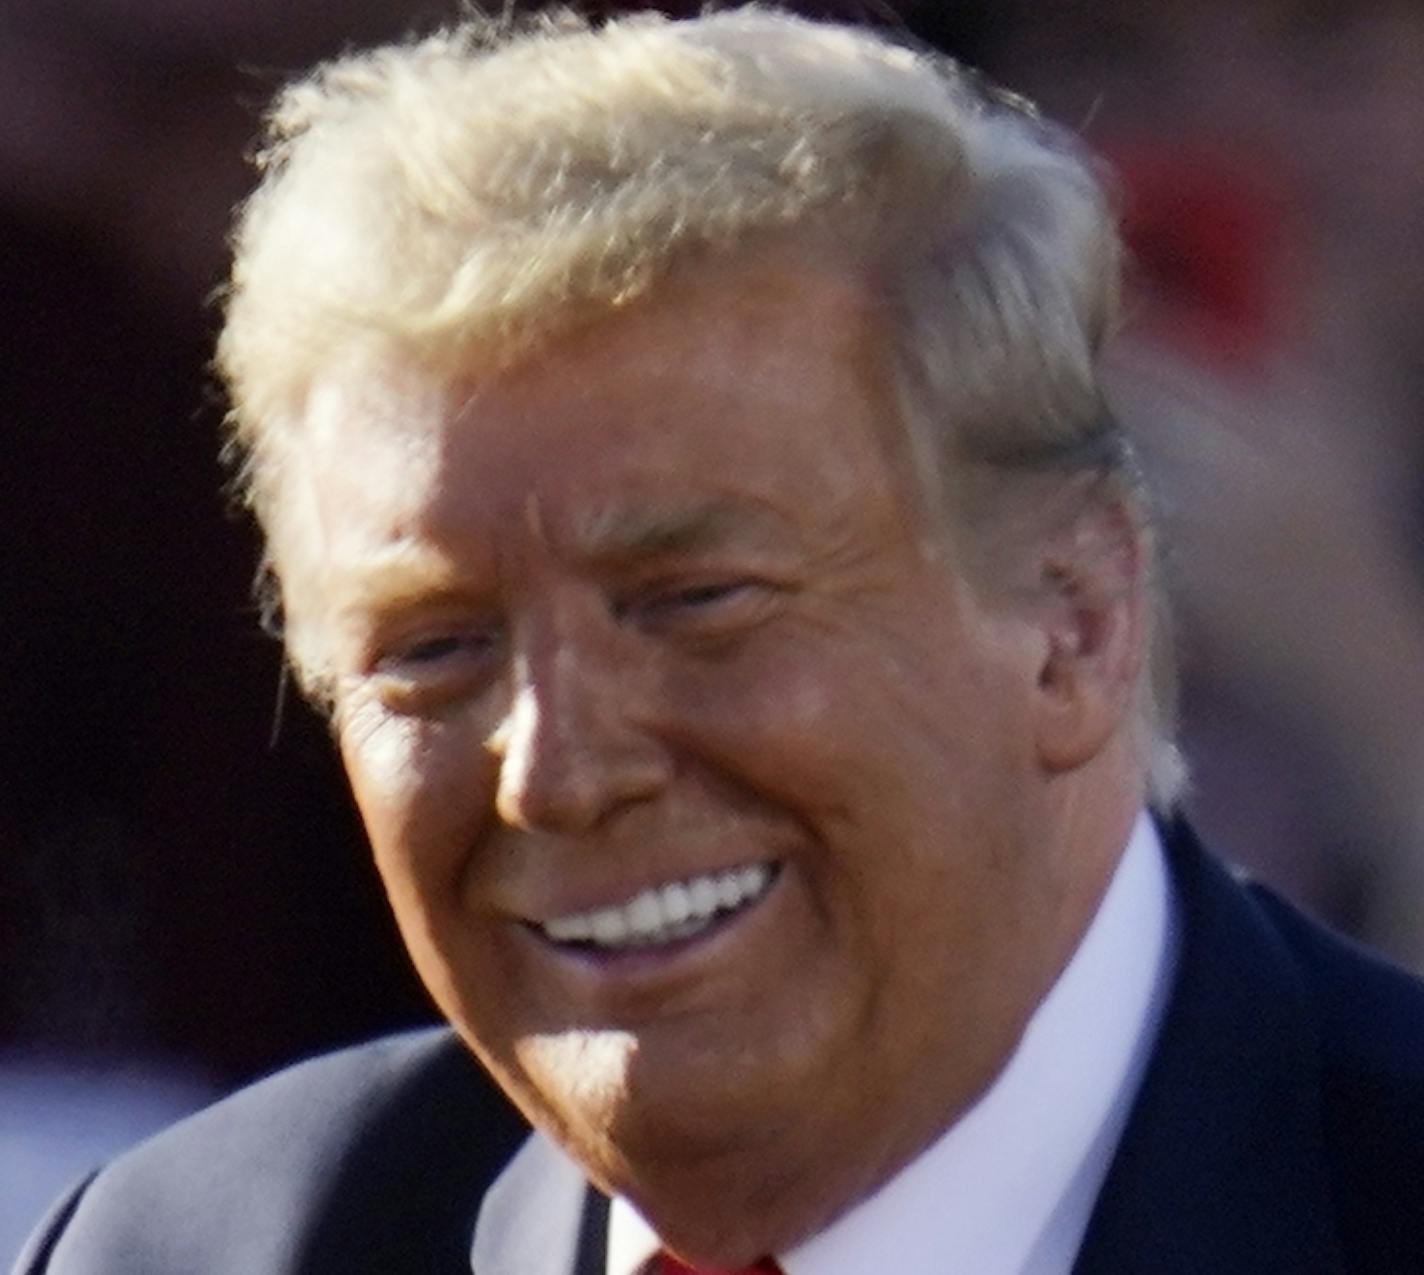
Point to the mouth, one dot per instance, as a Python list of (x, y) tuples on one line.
[(663, 914)]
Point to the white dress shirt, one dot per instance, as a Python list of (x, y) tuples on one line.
[(1007, 1190)]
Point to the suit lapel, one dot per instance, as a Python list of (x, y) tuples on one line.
[(538, 1218), (1221, 1167)]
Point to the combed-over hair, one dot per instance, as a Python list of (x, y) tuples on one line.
[(461, 198)]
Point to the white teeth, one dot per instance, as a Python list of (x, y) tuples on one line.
[(677, 903), (644, 915), (609, 927), (703, 896), (569, 929), (664, 913)]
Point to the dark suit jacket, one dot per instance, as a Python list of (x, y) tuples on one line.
[(1279, 1129)]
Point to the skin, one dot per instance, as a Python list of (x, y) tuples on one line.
[(656, 604)]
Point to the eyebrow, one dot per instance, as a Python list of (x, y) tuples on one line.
[(404, 575), (397, 577), (622, 532)]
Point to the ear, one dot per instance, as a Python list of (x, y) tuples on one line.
[(1093, 616)]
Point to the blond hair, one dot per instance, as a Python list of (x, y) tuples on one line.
[(461, 198)]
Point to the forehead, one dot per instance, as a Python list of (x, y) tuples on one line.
[(729, 401)]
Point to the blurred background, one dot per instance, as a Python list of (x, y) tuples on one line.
[(185, 898)]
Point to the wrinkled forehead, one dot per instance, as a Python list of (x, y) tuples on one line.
[(765, 365)]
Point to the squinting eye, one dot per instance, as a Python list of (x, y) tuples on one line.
[(433, 671), (431, 654), (712, 606), (690, 598), (702, 595), (431, 649)]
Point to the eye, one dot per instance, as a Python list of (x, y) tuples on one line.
[(710, 606), (428, 668), (703, 595), (432, 650)]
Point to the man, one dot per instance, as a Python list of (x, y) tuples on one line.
[(687, 481)]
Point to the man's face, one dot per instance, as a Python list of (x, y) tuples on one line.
[(703, 786)]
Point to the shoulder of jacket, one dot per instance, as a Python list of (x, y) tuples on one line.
[(238, 1186)]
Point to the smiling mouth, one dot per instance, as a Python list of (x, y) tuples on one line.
[(663, 914)]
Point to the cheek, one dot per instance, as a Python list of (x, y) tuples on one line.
[(423, 789), (899, 754), (828, 719), (767, 718)]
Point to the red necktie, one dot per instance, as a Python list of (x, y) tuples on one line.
[(664, 1264)]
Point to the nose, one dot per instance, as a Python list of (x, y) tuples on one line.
[(571, 748)]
